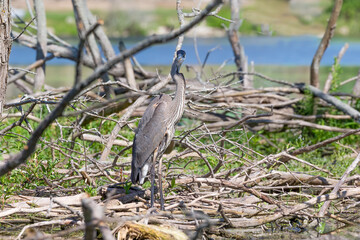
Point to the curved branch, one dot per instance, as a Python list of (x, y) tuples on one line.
[(21, 157), (329, 32)]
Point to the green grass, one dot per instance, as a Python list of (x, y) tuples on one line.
[(63, 76), (280, 18), (116, 23), (43, 164), (347, 24), (247, 27), (61, 23)]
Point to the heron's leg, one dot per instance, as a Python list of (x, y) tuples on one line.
[(153, 179), (152, 185), (160, 186)]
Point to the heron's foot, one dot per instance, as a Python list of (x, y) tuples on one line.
[(148, 192), (153, 210), (161, 208)]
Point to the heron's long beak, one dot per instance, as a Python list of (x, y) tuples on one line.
[(180, 59)]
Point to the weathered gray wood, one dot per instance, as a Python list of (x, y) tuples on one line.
[(129, 71), (83, 24), (238, 50), (5, 48), (356, 89), (104, 42), (329, 32), (345, 108), (41, 46), (329, 79), (336, 189), (94, 216), (15, 160)]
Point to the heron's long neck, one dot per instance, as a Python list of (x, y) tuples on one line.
[(177, 104)]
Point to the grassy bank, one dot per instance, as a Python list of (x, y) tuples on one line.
[(63, 76), (276, 17), (45, 164)]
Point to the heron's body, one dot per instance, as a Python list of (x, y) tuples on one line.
[(157, 126)]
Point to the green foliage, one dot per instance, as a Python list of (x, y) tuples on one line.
[(173, 183), (166, 17), (90, 190), (215, 22), (127, 187), (321, 227), (146, 184), (44, 163), (357, 104), (249, 28), (42, 167), (336, 71), (348, 21), (349, 10), (141, 23), (116, 23), (60, 22), (121, 23), (245, 28), (138, 23), (306, 105)]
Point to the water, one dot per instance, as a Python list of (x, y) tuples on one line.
[(285, 58), (286, 51)]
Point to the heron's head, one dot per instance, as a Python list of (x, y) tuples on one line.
[(180, 57)]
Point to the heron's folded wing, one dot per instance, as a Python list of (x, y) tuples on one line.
[(151, 130)]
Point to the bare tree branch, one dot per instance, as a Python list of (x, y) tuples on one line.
[(336, 189), (83, 24), (329, 32), (41, 49), (5, 48), (329, 79), (238, 50), (157, 87), (94, 216), (14, 161), (345, 108)]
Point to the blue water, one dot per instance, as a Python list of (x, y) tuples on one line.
[(287, 51)]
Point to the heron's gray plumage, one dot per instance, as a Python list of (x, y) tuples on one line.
[(157, 126), (148, 136)]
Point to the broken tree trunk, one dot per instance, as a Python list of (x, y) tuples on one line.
[(5, 48), (238, 50), (329, 32), (41, 46), (345, 108)]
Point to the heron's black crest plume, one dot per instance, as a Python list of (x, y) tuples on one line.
[(181, 53), (180, 57)]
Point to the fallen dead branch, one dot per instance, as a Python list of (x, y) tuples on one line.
[(214, 178), (336, 102), (21, 157), (353, 165)]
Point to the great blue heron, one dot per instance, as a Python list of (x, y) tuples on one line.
[(156, 130)]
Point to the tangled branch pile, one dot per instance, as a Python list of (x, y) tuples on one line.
[(225, 172)]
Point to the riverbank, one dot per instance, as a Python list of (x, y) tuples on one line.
[(63, 75), (141, 18), (262, 50)]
